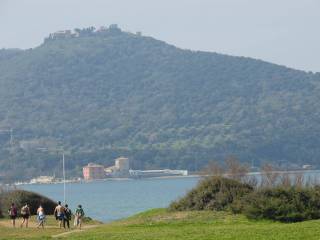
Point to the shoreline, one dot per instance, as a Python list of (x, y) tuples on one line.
[(110, 179), (82, 181)]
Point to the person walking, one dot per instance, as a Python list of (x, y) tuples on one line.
[(79, 214), (13, 213), (67, 216), (41, 216), (59, 213), (25, 214)]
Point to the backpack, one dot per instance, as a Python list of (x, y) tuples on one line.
[(80, 212), (13, 211), (24, 210), (68, 213)]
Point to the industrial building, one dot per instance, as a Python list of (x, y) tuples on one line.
[(93, 171), (157, 173), (43, 180), (121, 169)]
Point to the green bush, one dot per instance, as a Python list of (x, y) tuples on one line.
[(285, 204), (280, 203), (21, 197), (213, 193)]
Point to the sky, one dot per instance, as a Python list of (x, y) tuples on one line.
[(285, 32)]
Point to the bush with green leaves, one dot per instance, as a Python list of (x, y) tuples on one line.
[(285, 204), (213, 193)]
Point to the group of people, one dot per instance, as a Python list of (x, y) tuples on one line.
[(62, 214), (25, 214)]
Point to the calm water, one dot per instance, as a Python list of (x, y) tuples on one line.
[(111, 200)]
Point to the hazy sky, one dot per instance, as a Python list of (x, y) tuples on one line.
[(280, 31)]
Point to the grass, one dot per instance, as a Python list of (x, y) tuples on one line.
[(160, 224), (51, 229)]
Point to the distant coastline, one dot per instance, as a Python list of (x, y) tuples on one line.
[(82, 181), (306, 173)]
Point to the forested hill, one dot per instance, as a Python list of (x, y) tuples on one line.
[(102, 94)]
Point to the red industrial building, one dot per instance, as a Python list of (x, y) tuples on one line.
[(93, 171)]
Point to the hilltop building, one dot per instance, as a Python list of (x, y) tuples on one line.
[(91, 31), (113, 26), (62, 34)]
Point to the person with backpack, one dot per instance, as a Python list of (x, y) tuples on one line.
[(13, 213), (59, 213), (67, 216), (25, 214), (79, 214)]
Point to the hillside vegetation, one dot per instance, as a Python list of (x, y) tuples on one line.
[(214, 193), (21, 197), (105, 94), (268, 198)]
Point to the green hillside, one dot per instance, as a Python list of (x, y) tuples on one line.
[(110, 93)]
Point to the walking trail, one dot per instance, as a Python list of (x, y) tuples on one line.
[(74, 231), (7, 224)]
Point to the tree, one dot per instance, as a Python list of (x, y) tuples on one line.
[(236, 170)]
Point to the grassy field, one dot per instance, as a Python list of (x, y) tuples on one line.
[(160, 224)]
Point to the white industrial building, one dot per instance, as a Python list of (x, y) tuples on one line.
[(122, 169), (157, 173)]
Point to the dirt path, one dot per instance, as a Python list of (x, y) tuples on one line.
[(74, 231), (8, 224), (32, 224)]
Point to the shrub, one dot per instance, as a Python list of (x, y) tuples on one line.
[(283, 204), (212, 193), (21, 197)]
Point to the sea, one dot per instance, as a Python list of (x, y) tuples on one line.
[(116, 199), (111, 200)]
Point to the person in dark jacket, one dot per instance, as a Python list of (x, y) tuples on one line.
[(67, 216)]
